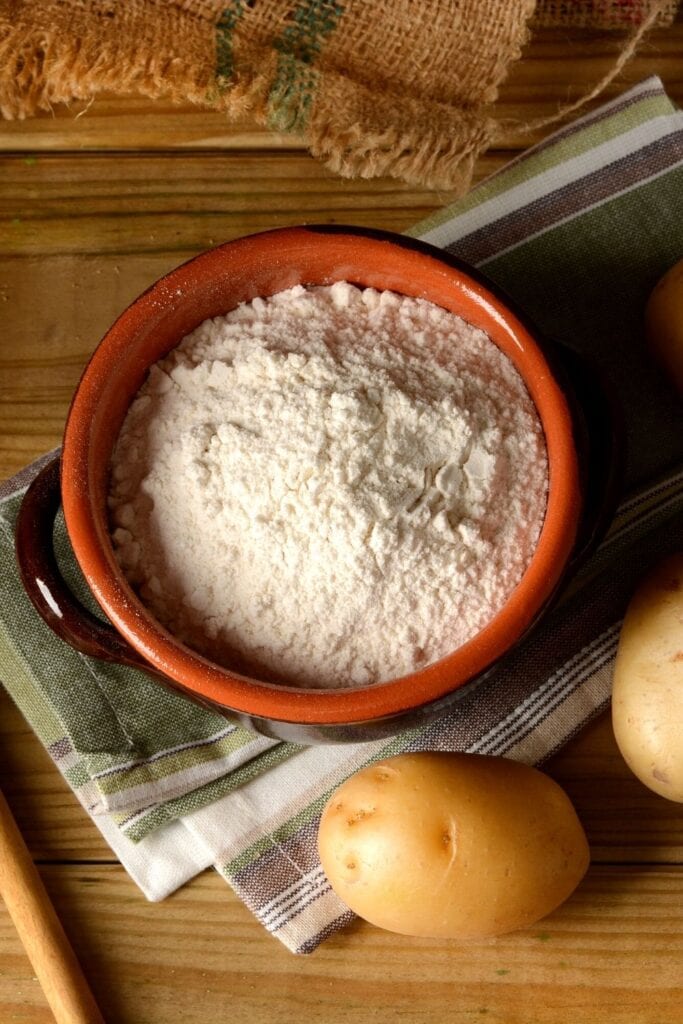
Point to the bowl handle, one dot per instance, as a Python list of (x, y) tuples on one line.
[(46, 588)]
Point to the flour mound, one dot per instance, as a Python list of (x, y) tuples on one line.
[(329, 487)]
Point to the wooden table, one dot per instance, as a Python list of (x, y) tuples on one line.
[(95, 203)]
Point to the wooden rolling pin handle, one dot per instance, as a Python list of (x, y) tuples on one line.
[(40, 931)]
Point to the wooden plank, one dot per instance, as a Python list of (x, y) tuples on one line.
[(557, 67), (613, 951), (54, 312), (110, 122), (66, 204), (625, 822)]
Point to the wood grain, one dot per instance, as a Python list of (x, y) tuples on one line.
[(49, 817), (40, 931), (612, 952), (65, 204)]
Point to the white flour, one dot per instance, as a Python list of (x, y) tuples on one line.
[(329, 487)]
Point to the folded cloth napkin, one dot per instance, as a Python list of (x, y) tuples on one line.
[(577, 230)]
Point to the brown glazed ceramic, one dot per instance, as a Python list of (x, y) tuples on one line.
[(210, 285)]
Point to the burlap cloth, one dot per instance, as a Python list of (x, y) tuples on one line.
[(403, 88)]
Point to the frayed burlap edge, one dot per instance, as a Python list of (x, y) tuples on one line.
[(354, 131), (357, 134), (39, 69)]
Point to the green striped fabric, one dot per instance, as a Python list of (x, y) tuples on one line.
[(577, 231), (126, 744)]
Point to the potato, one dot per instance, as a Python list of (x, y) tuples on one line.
[(647, 694), (664, 323), (451, 845)]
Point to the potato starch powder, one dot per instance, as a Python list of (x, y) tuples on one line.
[(329, 487)]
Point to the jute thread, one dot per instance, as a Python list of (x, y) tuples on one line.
[(658, 9)]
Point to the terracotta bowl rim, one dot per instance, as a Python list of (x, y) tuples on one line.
[(208, 682)]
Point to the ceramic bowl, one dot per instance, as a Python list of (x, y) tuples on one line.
[(569, 406)]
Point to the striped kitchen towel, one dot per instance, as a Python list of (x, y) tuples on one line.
[(577, 230)]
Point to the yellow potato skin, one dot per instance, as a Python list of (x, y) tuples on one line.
[(451, 845), (647, 693), (664, 323)]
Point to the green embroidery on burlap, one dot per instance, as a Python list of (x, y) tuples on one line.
[(296, 80), (225, 57)]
